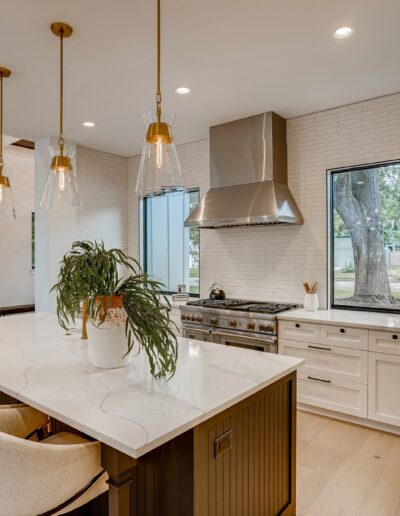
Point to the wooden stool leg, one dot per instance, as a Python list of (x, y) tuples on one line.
[(120, 470)]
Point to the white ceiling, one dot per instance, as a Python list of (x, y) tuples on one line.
[(241, 57)]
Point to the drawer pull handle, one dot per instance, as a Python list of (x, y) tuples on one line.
[(318, 379), (319, 347), (297, 325), (222, 443), (395, 337), (342, 330)]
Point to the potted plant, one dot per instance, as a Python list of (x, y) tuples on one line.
[(123, 305)]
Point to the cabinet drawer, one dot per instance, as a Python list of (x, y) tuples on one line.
[(342, 336), (332, 394), (384, 388), (296, 330), (384, 342), (332, 361)]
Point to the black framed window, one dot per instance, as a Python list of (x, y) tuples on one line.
[(171, 252), (365, 237)]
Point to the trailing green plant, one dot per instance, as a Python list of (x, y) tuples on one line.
[(89, 272)]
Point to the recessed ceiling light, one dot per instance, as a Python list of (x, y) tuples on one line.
[(343, 32), (183, 90), (89, 124)]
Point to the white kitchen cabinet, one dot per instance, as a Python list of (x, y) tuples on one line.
[(299, 331), (331, 361), (332, 394), (384, 388), (384, 342), (353, 371), (345, 337)]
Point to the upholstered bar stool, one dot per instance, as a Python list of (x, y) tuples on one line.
[(51, 477)]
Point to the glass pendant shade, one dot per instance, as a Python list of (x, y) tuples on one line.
[(160, 169), (7, 207), (61, 189)]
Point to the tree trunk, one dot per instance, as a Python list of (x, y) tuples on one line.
[(358, 202)]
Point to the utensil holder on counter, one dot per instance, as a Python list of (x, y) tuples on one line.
[(311, 303)]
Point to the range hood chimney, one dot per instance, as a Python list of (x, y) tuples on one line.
[(248, 176)]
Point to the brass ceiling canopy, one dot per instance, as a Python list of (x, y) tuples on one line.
[(4, 181), (61, 163), (61, 29)]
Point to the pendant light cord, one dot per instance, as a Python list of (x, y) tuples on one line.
[(61, 138), (158, 97)]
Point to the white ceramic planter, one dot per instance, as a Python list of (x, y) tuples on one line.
[(107, 346), (311, 303)]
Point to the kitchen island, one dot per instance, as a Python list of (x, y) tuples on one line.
[(218, 438)]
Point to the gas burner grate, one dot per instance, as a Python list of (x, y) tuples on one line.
[(270, 308), (244, 305)]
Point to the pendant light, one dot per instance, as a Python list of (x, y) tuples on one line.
[(61, 189), (7, 209), (160, 169)]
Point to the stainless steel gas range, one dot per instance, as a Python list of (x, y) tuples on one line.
[(233, 322)]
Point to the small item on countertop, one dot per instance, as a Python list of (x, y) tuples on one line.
[(217, 291), (311, 303), (180, 297), (310, 290), (182, 289)]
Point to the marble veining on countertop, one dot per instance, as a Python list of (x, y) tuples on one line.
[(356, 318), (126, 408)]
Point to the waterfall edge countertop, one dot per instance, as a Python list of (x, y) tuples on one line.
[(126, 408), (357, 319)]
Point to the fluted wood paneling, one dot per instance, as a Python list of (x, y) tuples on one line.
[(256, 477)]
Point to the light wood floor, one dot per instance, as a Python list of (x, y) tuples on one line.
[(346, 470)]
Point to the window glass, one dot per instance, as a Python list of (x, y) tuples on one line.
[(365, 237), (171, 251)]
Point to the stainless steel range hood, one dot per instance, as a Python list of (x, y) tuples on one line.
[(248, 176)]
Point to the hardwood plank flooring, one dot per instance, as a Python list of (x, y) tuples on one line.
[(345, 469)]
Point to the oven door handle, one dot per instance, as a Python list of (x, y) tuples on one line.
[(197, 330), (233, 335)]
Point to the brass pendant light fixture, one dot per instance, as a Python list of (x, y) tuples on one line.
[(160, 169), (61, 189), (7, 209)]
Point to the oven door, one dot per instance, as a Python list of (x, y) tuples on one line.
[(197, 334), (268, 344)]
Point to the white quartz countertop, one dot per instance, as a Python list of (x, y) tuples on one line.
[(126, 408), (358, 319)]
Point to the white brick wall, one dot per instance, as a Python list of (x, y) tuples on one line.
[(103, 186), (271, 262)]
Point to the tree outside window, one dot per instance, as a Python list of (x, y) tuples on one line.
[(365, 235)]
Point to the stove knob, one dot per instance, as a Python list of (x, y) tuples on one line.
[(214, 320), (264, 327), (183, 317), (199, 318), (233, 324), (189, 317), (251, 326)]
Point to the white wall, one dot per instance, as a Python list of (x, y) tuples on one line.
[(272, 262), (16, 279), (103, 187)]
